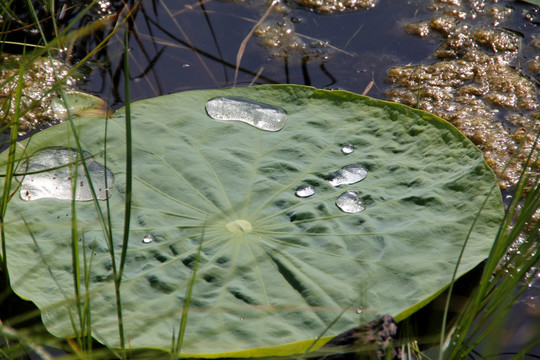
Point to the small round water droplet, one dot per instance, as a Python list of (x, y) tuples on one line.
[(347, 175), (148, 239), (347, 149), (360, 310), (262, 116), (350, 202), (304, 191), (242, 317)]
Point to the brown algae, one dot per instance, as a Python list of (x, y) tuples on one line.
[(278, 33), (473, 85), (39, 79), (334, 6), (46, 84)]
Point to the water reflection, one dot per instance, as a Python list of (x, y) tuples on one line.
[(177, 47)]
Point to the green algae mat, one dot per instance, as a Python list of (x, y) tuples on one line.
[(299, 214)]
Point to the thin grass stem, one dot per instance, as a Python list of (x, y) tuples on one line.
[(175, 353)]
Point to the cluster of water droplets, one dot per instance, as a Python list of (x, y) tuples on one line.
[(262, 116), (271, 118), (349, 201), (52, 173)]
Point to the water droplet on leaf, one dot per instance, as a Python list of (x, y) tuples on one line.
[(147, 239), (347, 175), (347, 149), (350, 202), (49, 173), (304, 191), (262, 116)]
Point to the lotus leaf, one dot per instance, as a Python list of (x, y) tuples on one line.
[(275, 271)]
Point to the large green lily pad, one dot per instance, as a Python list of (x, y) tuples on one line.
[(275, 270)]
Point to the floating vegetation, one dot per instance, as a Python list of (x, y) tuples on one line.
[(473, 85), (51, 173), (262, 116), (335, 6), (279, 37), (39, 78)]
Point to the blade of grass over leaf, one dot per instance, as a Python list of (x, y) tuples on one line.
[(68, 300), (83, 311), (128, 191), (455, 272), (177, 348), (76, 267), (74, 233), (318, 338)]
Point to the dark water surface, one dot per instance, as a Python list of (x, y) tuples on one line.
[(186, 45), (196, 48)]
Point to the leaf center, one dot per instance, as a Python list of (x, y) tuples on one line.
[(239, 226)]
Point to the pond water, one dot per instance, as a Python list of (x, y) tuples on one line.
[(187, 45), (198, 47)]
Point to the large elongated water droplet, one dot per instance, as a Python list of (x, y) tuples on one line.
[(304, 191), (49, 173), (350, 202), (347, 175), (262, 116)]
